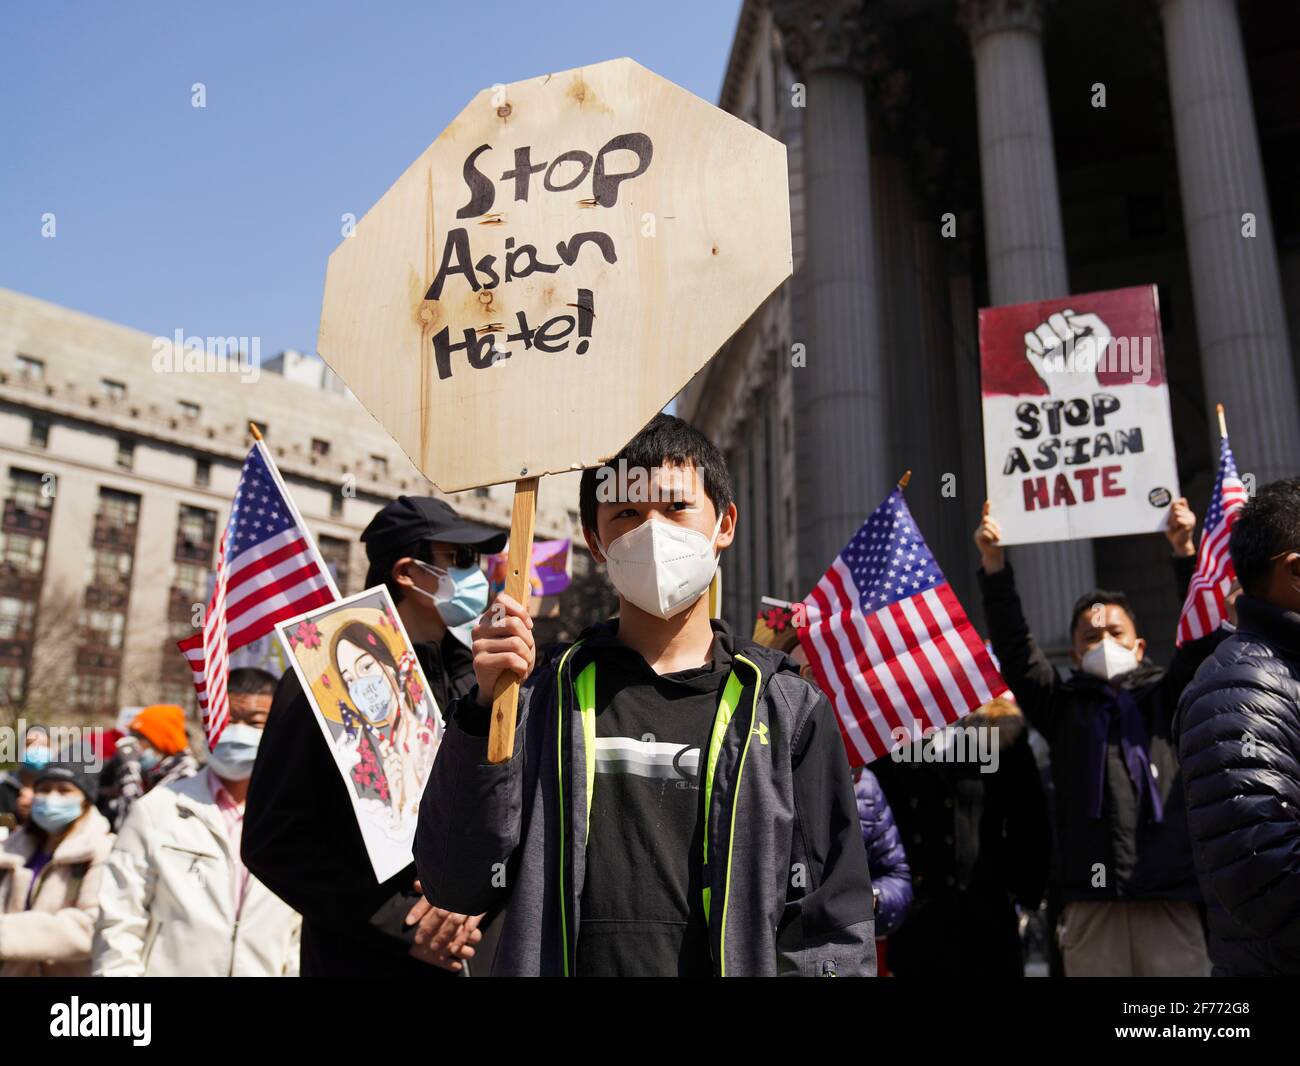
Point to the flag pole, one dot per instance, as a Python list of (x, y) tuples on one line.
[(265, 453), (1223, 422), (902, 481)]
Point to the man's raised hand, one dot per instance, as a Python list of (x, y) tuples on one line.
[(988, 539), (1181, 527)]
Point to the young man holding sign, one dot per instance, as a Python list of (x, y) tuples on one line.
[(679, 801), (1124, 859)]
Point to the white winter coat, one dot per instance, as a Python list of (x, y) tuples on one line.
[(167, 903)]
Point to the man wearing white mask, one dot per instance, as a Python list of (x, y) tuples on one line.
[(1124, 871), (679, 801), (176, 899)]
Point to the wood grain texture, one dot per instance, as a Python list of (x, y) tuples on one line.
[(505, 700), (700, 237)]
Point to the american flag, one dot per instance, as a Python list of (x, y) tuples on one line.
[(1204, 608), (888, 642), (268, 569)]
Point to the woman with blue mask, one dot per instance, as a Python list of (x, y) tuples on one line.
[(388, 731), (50, 872)]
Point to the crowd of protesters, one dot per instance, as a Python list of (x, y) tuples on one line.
[(1131, 818)]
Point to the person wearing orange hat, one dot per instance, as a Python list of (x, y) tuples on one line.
[(155, 751)]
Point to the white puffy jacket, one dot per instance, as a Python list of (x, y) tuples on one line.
[(167, 906)]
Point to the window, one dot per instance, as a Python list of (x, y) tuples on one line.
[(188, 410), (40, 435), (336, 504), (334, 551), (196, 534), (192, 579), (125, 453), (381, 465), (196, 525), (104, 628), (24, 554), (114, 390), (16, 617), (119, 508), (483, 493), (27, 489), (31, 368), (320, 447), (110, 569), (202, 473)]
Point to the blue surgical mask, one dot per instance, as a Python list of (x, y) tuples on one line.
[(36, 759), (149, 758), (235, 751), (462, 592), (372, 696), (53, 812)]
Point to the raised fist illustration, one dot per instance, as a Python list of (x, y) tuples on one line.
[(1066, 350)]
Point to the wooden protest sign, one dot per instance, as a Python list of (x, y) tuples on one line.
[(1078, 439), (548, 274)]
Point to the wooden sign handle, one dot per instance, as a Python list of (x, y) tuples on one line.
[(505, 700)]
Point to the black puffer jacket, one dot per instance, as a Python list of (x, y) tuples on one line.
[(1238, 732)]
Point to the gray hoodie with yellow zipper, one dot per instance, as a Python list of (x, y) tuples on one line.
[(786, 885)]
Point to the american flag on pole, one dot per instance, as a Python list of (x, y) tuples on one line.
[(1204, 608), (888, 642), (268, 569)]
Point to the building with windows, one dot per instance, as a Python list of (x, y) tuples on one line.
[(118, 475), (948, 155)]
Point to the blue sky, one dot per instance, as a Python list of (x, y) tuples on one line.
[(219, 220)]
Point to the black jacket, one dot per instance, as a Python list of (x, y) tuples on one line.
[(302, 841), (1238, 733), (1124, 854), (786, 871), (978, 843)]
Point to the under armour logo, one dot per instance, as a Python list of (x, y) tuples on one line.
[(761, 733)]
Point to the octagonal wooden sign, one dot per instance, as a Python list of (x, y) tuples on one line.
[(553, 270)]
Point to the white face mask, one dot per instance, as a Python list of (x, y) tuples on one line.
[(1109, 659), (661, 567), (235, 751)]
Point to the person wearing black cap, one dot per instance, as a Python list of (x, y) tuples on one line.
[(300, 835), (50, 871)]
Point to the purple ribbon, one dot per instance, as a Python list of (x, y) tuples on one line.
[(1134, 748)]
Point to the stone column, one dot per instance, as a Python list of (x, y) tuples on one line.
[(840, 395), (1024, 244), (1240, 318)]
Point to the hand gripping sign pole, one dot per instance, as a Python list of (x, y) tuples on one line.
[(505, 700), (547, 275)]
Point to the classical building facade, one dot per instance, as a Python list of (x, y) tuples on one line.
[(947, 155), (119, 465)]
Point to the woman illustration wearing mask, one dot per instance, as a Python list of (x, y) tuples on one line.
[(49, 878), (388, 728)]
